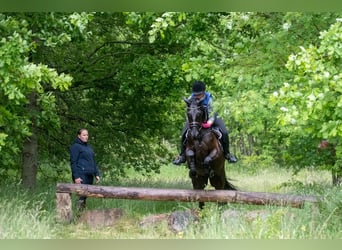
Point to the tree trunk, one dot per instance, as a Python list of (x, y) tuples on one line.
[(336, 173), (30, 148), (336, 177)]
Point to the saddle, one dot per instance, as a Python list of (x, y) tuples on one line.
[(215, 130)]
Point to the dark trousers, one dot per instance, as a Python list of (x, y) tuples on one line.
[(218, 124), (86, 179)]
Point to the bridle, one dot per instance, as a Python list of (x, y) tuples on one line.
[(195, 124)]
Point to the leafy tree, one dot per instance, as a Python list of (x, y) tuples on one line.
[(311, 100), (27, 103), (242, 58), (122, 92), (129, 72)]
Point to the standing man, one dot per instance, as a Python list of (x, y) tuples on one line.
[(83, 165)]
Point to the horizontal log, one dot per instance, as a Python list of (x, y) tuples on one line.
[(187, 195)]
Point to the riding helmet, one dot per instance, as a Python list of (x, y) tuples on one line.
[(198, 87)]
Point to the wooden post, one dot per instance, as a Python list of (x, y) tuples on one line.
[(63, 207), (189, 195)]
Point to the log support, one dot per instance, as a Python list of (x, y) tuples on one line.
[(63, 207)]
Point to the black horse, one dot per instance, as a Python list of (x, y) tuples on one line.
[(204, 153)]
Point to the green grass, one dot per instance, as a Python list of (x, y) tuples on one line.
[(31, 215), (24, 218)]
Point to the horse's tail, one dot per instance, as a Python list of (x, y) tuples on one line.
[(229, 186)]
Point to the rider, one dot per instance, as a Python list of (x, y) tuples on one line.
[(206, 99)]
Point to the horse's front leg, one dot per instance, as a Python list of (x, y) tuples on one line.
[(190, 155), (208, 159)]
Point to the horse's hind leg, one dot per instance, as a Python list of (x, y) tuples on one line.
[(219, 182), (229, 186)]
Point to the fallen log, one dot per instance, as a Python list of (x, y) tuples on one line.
[(186, 195)]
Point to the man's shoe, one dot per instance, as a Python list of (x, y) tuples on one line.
[(81, 205), (230, 158), (181, 159)]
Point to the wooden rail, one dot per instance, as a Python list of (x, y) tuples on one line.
[(64, 191)]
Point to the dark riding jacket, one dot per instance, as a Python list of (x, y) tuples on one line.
[(82, 159)]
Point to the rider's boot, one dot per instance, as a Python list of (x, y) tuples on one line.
[(225, 144), (181, 158), (230, 158)]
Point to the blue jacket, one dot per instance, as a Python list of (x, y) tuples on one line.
[(207, 102), (82, 159)]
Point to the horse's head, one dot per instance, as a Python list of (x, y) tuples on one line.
[(196, 116)]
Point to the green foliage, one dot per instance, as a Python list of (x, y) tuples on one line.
[(121, 93), (310, 101), (23, 216), (53, 171), (130, 70), (241, 57), (27, 84)]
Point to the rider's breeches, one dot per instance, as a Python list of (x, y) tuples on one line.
[(225, 138)]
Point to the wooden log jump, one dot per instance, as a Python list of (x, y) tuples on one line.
[(64, 191)]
